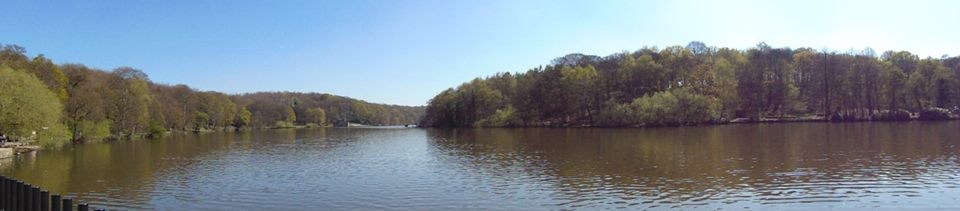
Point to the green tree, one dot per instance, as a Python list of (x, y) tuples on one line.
[(726, 86), (905, 60), (893, 81), (641, 76), (15, 57), (317, 116), (27, 107), (581, 84), (200, 120), (501, 118), (696, 84), (291, 115), (130, 96), (85, 104), (51, 75), (243, 119), (676, 107), (930, 84), (92, 131)]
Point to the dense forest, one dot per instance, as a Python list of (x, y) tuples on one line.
[(695, 84), (57, 103)]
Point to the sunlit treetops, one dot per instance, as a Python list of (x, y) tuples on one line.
[(74, 102), (693, 84)]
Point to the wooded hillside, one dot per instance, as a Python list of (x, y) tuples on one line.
[(64, 102), (682, 85)]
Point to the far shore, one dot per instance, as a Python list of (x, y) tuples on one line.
[(787, 119)]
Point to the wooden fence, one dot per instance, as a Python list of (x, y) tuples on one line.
[(17, 195)]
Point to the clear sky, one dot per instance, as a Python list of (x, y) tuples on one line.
[(404, 52)]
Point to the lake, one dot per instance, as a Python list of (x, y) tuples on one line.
[(786, 166)]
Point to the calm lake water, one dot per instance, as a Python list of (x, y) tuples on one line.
[(860, 166)]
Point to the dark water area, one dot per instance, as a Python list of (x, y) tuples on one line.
[(788, 166)]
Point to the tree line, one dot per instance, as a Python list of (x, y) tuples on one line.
[(57, 103), (696, 83)]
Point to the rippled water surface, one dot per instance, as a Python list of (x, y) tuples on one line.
[(802, 166)]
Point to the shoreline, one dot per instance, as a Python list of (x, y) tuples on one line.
[(730, 122)]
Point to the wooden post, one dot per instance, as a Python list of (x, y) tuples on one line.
[(3, 190), (12, 192), (83, 207), (13, 195), (21, 192), (44, 200), (28, 195), (27, 200), (55, 206), (8, 194), (67, 204), (35, 195)]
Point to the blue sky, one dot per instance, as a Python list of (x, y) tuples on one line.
[(404, 52)]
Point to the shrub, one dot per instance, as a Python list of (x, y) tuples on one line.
[(656, 109), (502, 117), (283, 124), (615, 114), (156, 129), (696, 108), (934, 113), (94, 131), (841, 117), (675, 107), (895, 115)]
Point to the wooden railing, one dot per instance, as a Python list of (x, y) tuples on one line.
[(17, 195)]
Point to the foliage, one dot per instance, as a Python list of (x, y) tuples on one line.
[(895, 115), (129, 96), (28, 107), (244, 117), (317, 116), (200, 120), (615, 114), (696, 83), (268, 107), (126, 104), (93, 131), (50, 74), (473, 102), (503, 117), (283, 124), (934, 113), (156, 129), (677, 107), (657, 109), (291, 115)]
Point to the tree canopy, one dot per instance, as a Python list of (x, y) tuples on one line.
[(696, 83), (92, 104), (29, 110)]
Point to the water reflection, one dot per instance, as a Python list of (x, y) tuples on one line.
[(735, 166), (771, 166)]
